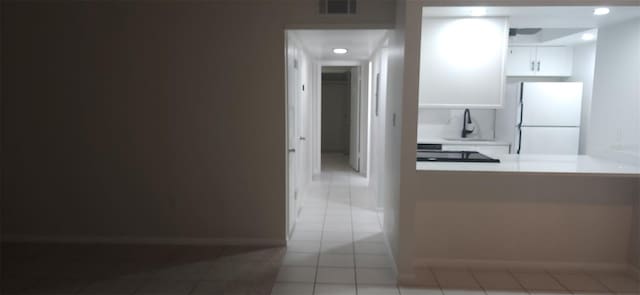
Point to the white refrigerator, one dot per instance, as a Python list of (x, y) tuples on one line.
[(541, 117)]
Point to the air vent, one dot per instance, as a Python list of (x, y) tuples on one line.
[(337, 6), (523, 31)]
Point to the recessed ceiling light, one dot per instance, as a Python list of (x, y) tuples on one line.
[(478, 11), (588, 36), (340, 50), (601, 11)]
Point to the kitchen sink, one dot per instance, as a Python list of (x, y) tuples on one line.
[(453, 156), (466, 139)]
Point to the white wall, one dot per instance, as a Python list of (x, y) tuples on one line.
[(354, 118), (443, 123), (379, 66), (365, 118), (615, 109), (301, 86), (584, 60), (307, 67)]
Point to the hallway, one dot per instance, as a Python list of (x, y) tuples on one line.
[(337, 245)]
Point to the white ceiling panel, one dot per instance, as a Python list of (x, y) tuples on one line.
[(545, 16), (360, 43)]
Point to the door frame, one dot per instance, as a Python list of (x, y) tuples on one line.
[(363, 103), (293, 141)]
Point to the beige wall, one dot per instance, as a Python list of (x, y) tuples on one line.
[(390, 173), (635, 244), (487, 219), (150, 120)]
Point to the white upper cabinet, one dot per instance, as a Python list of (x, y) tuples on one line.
[(546, 61), (521, 61), (462, 62), (554, 61)]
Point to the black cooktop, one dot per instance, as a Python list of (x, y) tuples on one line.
[(453, 156)]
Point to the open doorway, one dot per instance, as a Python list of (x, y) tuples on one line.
[(336, 93), (341, 124)]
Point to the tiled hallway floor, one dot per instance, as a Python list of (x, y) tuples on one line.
[(337, 248)]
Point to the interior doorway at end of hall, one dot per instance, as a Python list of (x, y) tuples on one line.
[(340, 111)]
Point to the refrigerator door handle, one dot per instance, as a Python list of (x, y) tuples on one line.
[(521, 118), (519, 140)]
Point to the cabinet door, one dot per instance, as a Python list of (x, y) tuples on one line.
[(462, 62), (554, 61), (520, 61)]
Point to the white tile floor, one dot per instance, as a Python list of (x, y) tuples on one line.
[(338, 238)]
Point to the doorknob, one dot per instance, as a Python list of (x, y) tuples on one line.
[(303, 138), (292, 150)]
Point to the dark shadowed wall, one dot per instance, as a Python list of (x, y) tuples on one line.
[(150, 121)]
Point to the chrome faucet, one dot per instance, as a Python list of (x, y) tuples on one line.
[(467, 125)]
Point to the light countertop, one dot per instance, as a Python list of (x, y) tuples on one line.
[(565, 164)]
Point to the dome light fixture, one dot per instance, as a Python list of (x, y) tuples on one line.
[(601, 11), (340, 51), (588, 36)]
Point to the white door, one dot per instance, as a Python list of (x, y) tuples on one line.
[(354, 120), (292, 136), (549, 140), (554, 61), (520, 61), (551, 103)]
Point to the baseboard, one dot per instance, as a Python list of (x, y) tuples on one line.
[(635, 271), (394, 265), (518, 265), (143, 240)]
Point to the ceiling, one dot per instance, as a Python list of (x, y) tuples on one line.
[(545, 16), (360, 43)]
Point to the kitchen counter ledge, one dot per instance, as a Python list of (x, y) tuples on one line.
[(560, 164)]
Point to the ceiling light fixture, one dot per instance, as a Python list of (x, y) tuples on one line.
[(588, 36), (478, 11), (340, 51), (601, 11)]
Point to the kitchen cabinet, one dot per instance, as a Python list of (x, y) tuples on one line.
[(487, 149), (544, 61), (462, 62), (554, 61)]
